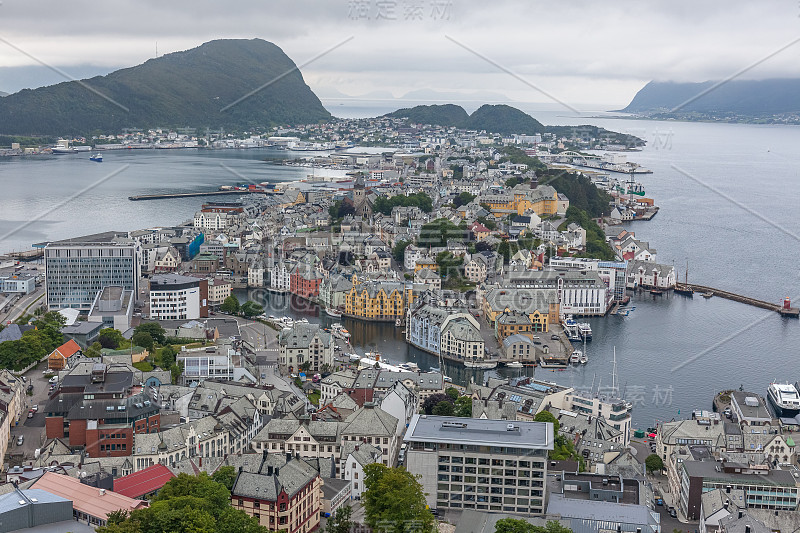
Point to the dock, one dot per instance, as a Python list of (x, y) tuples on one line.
[(187, 195), (783, 310)]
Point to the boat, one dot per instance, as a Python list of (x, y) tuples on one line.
[(684, 290), (98, 158), (398, 322), (514, 364), (335, 313), (339, 331), (575, 358), (784, 400), (584, 359), (483, 365), (585, 331), (708, 294), (63, 150), (656, 292)]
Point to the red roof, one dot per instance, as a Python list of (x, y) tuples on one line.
[(143, 482), (68, 349)]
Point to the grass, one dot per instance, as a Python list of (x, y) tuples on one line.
[(314, 397), (144, 366)]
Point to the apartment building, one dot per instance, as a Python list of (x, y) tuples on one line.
[(304, 343), (176, 297), (490, 465)]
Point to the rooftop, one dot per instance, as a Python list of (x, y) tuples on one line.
[(455, 430), (86, 499), (143, 482)]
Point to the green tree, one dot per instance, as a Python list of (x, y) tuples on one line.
[(464, 407), (154, 329), (433, 400), (340, 521), (394, 501), (94, 350), (518, 525), (547, 416), (653, 463), (167, 356), (251, 309), (443, 408), (399, 250), (225, 476), (463, 199), (143, 339), (110, 338), (230, 305), (452, 392), (449, 264), (175, 372)]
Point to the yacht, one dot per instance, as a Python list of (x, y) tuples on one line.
[(585, 330), (330, 311), (514, 364), (584, 358), (575, 358), (784, 400)]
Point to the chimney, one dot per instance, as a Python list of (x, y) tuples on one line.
[(201, 461), (747, 529), (269, 470)]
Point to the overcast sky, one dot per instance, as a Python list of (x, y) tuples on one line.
[(588, 54)]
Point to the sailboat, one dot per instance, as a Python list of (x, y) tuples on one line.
[(685, 289)]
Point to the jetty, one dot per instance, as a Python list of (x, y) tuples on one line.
[(186, 194), (784, 309)]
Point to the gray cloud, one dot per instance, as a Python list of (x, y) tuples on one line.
[(581, 51)]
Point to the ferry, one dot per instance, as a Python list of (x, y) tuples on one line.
[(98, 158), (585, 331), (784, 399)]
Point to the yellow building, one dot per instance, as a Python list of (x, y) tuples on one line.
[(542, 200), (426, 262), (378, 300), (540, 306)]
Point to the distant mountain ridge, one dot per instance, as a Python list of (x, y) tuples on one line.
[(232, 83), (499, 118), (743, 97)]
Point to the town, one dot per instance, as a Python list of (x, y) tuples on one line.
[(131, 362)]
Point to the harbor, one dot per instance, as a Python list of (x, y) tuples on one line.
[(784, 309)]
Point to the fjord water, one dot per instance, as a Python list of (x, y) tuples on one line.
[(729, 197)]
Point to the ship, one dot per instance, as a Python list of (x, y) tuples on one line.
[(98, 158), (784, 400), (330, 311), (575, 358)]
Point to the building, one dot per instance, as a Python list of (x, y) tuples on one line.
[(218, 290), (749, 409), (89, 504), (376, 300), (63, 356), (22, 509), (282, 495), (540, 305), (763, 489), (143, 484), (113, 307), (303, 344), (77, 269), (489, 465), (176, 297), (18, 283), (355, 457), (212, 362), (579, 292), (442, 330)]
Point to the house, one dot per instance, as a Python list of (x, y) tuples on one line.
[(355, 456), (63, 356), (143, 484), (305, 344)]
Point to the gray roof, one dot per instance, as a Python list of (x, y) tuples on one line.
[(301, 334), (370, 420), (290, 478), (708, 470), (745, 524), (11, 333), (602, 511), (455, 430)]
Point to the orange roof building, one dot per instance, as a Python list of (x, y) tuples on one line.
[(89, 504), (58, 359)]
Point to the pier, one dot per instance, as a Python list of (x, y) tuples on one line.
[(188, 194), (783, 310)]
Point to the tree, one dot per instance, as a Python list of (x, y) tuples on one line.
[(547, 416), (452, 392), (110, 338), (167, 356), (230, 305), (653, 463), (155, 330), (340, 521), (443, 408), (226, 476), (517, 525), (175, 372), (463, 199), (251, 309), (394, 501), (399, 250), (432, 400), (94, 350), (464, 407), (143, 339)]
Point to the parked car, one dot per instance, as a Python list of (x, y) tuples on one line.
[(20, 440), (659, 501), (30, 413), (35, 408), (673, 513), (54, 379), (554, 337)]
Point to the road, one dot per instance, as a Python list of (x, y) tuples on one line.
[(18, 308), (31, 429)]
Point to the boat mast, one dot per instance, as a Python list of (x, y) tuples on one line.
[(614, 373)]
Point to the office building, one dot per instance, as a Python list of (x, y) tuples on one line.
[(490, 465), (77, 269), (176, 297)]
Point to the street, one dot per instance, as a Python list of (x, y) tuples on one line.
[(17, 309), (31, 429)]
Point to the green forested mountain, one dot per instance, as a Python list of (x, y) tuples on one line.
[(182, 89), (442, 115), (500, 118)]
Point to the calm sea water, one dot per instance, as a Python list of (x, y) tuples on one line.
[(728, 195)]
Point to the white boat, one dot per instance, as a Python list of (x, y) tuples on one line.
[(584, 359), (575, 358), (585, 331), (784, 399), (398, 322), (335, 313), (339, 331), (484, 365), (63, 150), (514, 364)]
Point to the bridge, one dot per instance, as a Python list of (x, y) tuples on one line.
[(791, 312)]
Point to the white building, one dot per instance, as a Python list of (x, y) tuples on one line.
[(18, 283), (176, 297), (207, 363)]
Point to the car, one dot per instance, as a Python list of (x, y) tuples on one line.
[(35, 408), (554, 337), (659, 501), (54, 379), (30, 413), (20, 440), (673, 513)]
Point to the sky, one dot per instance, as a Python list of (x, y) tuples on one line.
[(586, 54)]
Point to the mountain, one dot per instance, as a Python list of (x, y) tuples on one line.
[(445, 115), (236, 84), (3, 94), (499, 118), (741, 97)]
